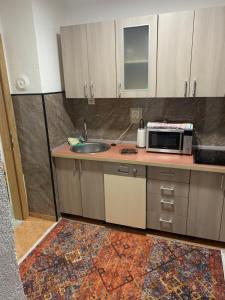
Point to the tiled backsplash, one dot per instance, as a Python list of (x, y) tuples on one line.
[(108, 118)]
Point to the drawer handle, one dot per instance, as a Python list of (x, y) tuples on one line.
[(167, 202), (167, 174), (123, 171), (163, 188), (169, 221)]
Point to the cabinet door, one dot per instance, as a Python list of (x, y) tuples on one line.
[(222, 228), (136, 40), (208, 57), (75, 61), (68, 179), (92, 188), (174, 54), (102, 59), (205, 205)]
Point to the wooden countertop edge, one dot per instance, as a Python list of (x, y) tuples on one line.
[(194, 167)]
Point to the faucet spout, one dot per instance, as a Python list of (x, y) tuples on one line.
[(85, 131)]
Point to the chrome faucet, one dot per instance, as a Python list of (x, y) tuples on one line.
[(85, 131)]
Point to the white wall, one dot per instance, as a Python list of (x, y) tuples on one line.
[(20, 43), (82, 11), (47, 19)]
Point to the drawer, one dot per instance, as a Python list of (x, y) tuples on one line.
[(166, 222), (169, 174), (167, 204), (168, 188), (125, 169)]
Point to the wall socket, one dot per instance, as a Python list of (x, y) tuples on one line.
[(91, 101), (135, 115)]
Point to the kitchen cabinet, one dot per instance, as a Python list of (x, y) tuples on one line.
[(208, 54), (167, 199), (136, 51), (75, 62), (102, 59), (175, 32), (92, 189), (125, 194), (68, 183), (205, 205), (89, 60), (81, 188), (222, 227)]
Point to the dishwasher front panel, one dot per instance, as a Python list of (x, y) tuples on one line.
[(125, 200)]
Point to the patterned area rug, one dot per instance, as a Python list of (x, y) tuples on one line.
[(84, 261)]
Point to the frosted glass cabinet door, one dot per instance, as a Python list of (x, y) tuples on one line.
[(136, 57)]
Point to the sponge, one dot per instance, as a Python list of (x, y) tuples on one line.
[(73, 141)]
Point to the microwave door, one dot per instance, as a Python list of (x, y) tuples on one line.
[(164, 140)]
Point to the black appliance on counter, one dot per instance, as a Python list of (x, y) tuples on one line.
[(209, 155)]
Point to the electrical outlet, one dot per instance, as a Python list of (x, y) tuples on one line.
[(135, 115), (91, 101)]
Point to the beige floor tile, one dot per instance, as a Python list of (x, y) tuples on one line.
[(28, 232)]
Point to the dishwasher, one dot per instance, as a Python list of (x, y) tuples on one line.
[(125, 194)]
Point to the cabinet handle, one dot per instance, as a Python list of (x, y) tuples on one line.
[(167, 202), (169, 221), (85, 91), (163, 188), (92, 90), (221, 182), (167, 174), (194, 88), (80, 166), (74, 168), (119, 90), (185, 88)]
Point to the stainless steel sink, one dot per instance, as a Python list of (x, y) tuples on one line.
[(90, 147)]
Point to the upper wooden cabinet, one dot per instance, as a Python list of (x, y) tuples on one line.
[(136, 46), (208, 55), (174, 54), (75, 62), (89, 60)]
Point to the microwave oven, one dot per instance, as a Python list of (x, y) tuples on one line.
[(169, 138)]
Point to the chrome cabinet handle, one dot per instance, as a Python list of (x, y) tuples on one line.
[(162, 220), (167, 174), (92, 90), (185, 88), (163, 188), (194, 88), (119, 90), (221, 182), (74, 167), (167, 202), (85, 91)]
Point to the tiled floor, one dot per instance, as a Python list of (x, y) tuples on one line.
[(28, 233)]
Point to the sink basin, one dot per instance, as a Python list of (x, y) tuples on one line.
[(90, 147)]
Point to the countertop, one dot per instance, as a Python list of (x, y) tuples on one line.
[(142, 158)]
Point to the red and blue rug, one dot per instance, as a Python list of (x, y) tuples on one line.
[(84, 261)]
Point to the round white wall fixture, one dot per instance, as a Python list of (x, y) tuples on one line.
[(22, 82)]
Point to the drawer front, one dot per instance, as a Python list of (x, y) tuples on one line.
[(169, 174), (167, 204), (125, 170), (166, 222), (168, 189)]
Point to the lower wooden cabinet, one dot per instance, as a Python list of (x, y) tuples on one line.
[(205, 205), (222, 227), (69, 191), (92, 189), (81, 188)]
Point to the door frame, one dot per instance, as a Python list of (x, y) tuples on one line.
[(10, 145)]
